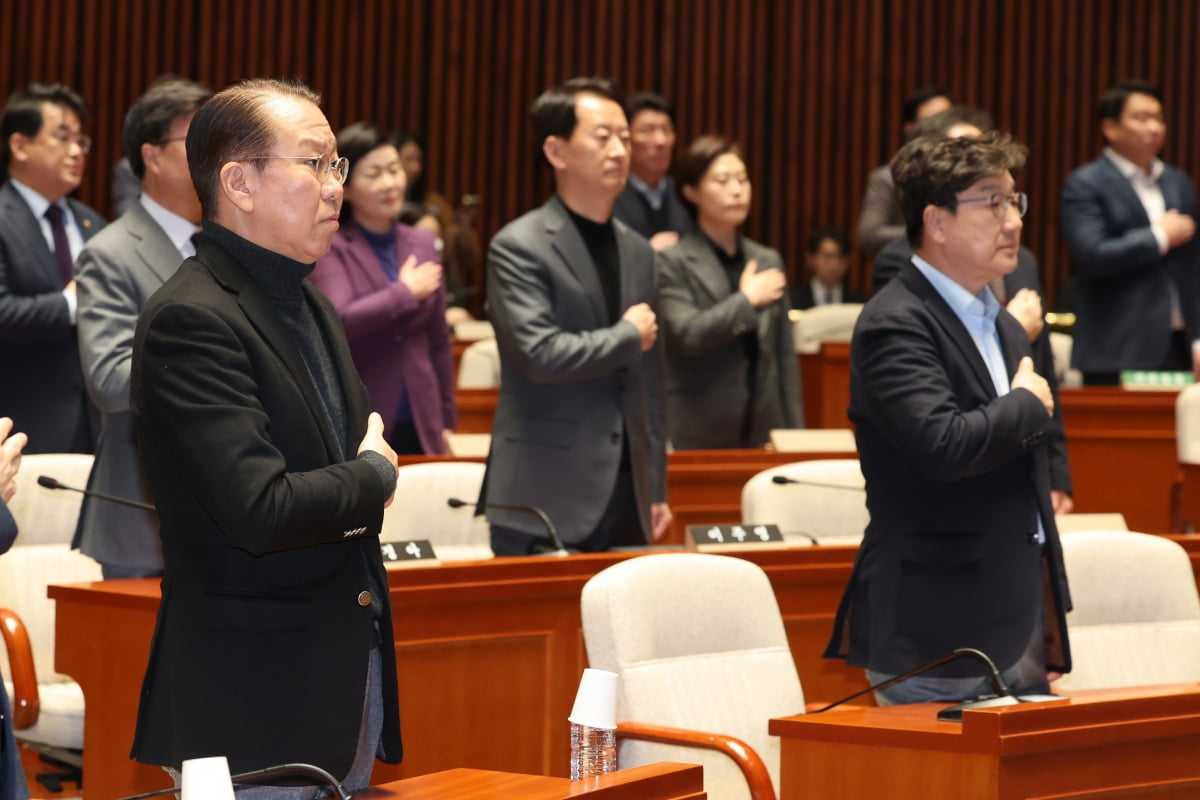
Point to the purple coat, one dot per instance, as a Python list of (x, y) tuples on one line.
[(397, 342)]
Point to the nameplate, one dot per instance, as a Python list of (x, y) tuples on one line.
[(1155, 380), (409, 550), (733, 537)]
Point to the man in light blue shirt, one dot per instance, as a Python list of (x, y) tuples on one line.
[(952, 424)]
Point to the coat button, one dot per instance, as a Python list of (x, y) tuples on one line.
[(364, 598), (616, 438)]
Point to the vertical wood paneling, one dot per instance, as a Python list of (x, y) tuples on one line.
[(811, 89)]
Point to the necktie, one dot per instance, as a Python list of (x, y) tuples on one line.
[(62, 248)]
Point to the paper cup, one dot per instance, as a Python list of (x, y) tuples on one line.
[(596, 700), (206, 779)]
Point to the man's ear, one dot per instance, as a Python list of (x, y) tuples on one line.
[(552, 147), (18, 147), (1108, 128), (150, 156), (934, 219), (238, 183)]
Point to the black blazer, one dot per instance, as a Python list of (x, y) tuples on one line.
[(898, 253), (269, 531), (1122, 282), (956, 479), (43, 388)]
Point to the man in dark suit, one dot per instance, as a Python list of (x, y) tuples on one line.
[(649, 202), (1129, 221), (117, 272), (827, 260), (269, 476), (579, 422), (12, 774), (951, 422), (41, 233)]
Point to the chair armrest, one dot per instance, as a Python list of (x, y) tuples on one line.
[(748, 761), (26, 704)]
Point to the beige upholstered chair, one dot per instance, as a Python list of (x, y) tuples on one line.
[(704, 663), (829, 505), (1136, 619), (480, 366), (420, 510), (819, 324), (473, 330), (1061, 345), (47, 706), (1185, 494)]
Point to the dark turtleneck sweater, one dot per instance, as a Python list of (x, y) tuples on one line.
[(282, 281)]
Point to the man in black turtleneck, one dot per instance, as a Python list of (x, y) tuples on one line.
[(579, 428), (269, 473)]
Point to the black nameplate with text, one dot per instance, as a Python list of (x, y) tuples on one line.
[(737, 535), (410, 550)]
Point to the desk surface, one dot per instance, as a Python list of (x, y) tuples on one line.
[(662, 781), (1114, 743)]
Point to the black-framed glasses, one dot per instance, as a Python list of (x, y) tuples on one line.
[(324, 167), (1000, 203)]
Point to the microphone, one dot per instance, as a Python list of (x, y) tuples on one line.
[(267, 772), (783, 479), (953, 713), (52, 483), (560, 550)]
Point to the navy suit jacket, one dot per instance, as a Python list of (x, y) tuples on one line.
[(43, 387), (956, 479), (631, 208), (1122, 282), (897, 253)]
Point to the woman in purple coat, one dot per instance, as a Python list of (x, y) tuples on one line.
[(385, 279)]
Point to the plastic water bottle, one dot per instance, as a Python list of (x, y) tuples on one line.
[(593, 751)]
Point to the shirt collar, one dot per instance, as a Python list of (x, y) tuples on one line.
[(655, 193), (177, 229), (1132, 171), (964, 304), (36, 201)]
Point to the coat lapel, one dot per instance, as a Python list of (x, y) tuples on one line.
[(271, 327), (1122, 191), (951, 324), (704, 265), (29, 231), (568, 244)]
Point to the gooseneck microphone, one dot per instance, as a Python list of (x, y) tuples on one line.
[(784, 479), (267, 772), (560, 550), (994, 677), (52, 483)]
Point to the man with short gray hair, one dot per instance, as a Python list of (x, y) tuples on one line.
[(268, 470)]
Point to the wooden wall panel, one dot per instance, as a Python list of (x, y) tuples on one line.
[(811, 89)]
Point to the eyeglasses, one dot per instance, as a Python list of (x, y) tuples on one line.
[(324, 167), (1000, 203), (68, 138)]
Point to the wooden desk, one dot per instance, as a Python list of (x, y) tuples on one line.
[(662, 781), (489, 657), (1128, 744), (704, 486)]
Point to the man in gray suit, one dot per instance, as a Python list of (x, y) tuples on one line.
[(579, 428), (42, 153), (117, 273)]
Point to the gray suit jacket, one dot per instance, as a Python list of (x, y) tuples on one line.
[(117, 272), (571, 384), (881, 218), (42, 388), (702, 320)]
